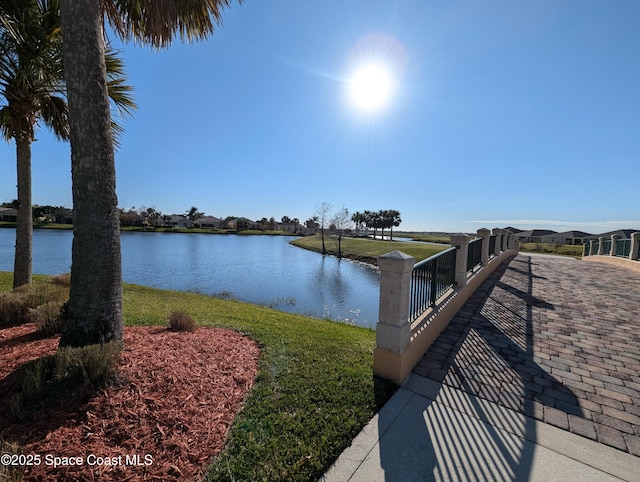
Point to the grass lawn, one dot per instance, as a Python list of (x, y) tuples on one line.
[(314, 390), (548, 248), (368, 250)]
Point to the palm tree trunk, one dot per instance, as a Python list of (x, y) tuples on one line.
[(94, 311), (24, 226)]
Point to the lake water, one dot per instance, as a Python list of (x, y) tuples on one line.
[(264, 270)]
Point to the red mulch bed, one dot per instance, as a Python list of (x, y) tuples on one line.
[(178, 399)]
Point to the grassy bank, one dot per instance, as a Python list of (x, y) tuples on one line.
[(366, 249), (548, 248), (314, 391), (426, 237)]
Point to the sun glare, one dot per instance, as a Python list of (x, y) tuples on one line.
[(374, 72), (370, 87)]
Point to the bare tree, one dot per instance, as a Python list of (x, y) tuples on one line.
[(322, 212), (341, 222)]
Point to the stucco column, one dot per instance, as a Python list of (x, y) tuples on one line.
[(461, 242), (635, 246), (592, 247), (509, 240), (498, 234), (393, 330), (614, 239), (484, 233), (600, 245)]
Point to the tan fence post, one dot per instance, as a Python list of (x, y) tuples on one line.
[(601, 245), (635, 246), (498, 234), (484, 233), (614, 247), (393, 331), (461, 242)]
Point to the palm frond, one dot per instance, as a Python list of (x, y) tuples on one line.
[(120, 93), (158, 22), (55, 114)]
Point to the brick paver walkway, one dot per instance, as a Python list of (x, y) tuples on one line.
[(557, 339)]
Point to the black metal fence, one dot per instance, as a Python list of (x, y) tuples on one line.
[(430, 279), (474, 258), (623, 247), (492, 245), (606, 247)]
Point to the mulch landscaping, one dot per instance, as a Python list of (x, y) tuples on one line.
[(166, 419)]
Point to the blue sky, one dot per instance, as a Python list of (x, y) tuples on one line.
[(503, 113)]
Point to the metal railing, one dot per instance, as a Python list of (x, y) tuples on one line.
[(594, 250), (492, 245), (430, 279), (623, 247), (474, 256), (606, 247)]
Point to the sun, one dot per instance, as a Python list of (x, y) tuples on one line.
[(370, 87)]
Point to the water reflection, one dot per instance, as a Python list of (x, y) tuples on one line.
[(264, 270)]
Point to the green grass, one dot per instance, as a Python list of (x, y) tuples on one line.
[(368, 250), (314, 390), (548, 248)]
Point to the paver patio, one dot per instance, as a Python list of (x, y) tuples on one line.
[(554, 338)]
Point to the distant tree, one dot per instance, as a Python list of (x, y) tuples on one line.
[(272, 223), (376, 223), (285, 220), (152, 216), (322, 213), (263, 223), (312, 223), (394, 220), (359, 219), (193, 214), (340, 223)]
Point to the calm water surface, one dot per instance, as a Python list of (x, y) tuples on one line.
[(263, 270)]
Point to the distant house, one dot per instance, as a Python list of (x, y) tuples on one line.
[(9, 215), (568, 237), (240, 224), (289, 227), (533, 236), (207, 222), (622, 233), (179, 221)]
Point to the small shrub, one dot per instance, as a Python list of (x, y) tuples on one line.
[(180, 321), (10, 473), (47, 318), (63, 279), (71, 370), (16, 306)]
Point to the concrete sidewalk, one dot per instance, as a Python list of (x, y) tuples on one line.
[(429, 431)]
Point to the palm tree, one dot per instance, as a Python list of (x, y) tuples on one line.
[(395, 220), (32, 86), (94, 311), (31, 74)]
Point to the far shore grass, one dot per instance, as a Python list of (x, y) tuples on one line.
[(367, 249), (313, 394)]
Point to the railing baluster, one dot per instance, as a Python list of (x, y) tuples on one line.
[(430, 279)]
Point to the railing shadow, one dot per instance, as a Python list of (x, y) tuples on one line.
[(483, 365)]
